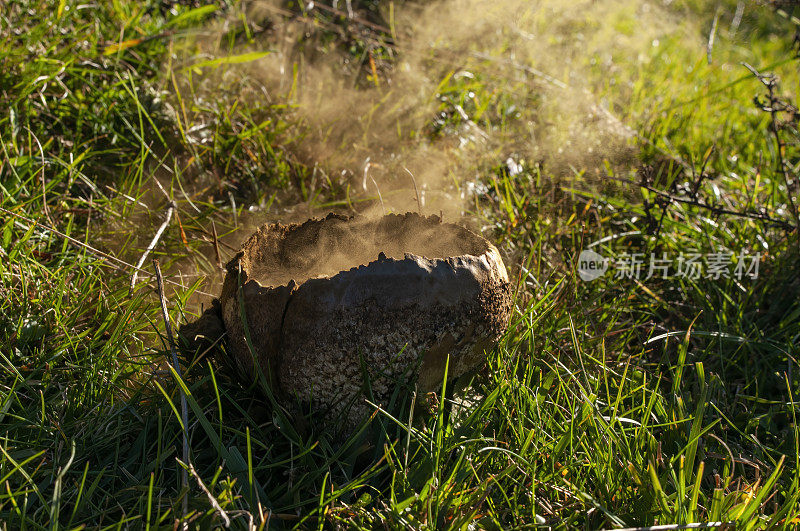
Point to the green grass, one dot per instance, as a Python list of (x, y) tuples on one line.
[(607, 404)]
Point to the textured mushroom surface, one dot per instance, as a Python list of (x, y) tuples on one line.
[(333, 300)]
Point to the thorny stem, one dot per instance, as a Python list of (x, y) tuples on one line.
[(757, 216), (773, 107), (781, 155)]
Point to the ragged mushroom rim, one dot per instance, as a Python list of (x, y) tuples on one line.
[(276, 254)]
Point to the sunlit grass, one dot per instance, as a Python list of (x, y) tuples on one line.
[(607, 404)]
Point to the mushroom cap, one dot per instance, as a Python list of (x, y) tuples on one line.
[(333, 300)]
